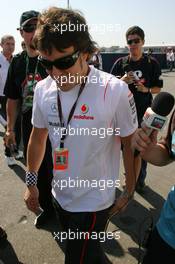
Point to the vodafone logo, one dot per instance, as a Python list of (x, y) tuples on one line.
[(84, 108)]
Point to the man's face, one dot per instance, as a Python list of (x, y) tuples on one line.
[(8, 46), (28, 31), (135, 44), (66, 78)]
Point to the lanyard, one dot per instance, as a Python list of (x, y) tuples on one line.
[(27, 68), (60, 112)]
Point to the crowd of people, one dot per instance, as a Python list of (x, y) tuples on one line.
[(48, 89)]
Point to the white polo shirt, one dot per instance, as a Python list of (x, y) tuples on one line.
[(4, 65), (106, 104)]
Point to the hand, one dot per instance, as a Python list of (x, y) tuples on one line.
[(128, 77), (9, 138), (141, 141), (31, 198), (141, 88), (120, 204)]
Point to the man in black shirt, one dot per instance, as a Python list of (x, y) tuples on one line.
[(24, 72), (142, 74)]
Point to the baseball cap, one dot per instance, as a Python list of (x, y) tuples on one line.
[(27, 16)]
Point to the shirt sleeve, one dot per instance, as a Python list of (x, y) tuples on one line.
[(156, 74), (126, 113), (38, 119), (11, 90)]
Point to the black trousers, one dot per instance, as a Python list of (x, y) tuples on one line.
[(3, 101), (84, 249), (158, 250), (45, 173)]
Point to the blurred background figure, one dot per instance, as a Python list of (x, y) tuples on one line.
[(170, 59), (96, 60), (23, 45), (8, 47)]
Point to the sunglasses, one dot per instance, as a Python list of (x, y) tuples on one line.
[(29, 28), (133, 41), (62, 63)]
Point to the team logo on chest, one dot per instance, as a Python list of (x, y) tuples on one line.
[(54, 108), (84, 109)]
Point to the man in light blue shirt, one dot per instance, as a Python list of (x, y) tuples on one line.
[(162, 241)]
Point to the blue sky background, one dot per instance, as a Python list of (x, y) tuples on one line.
[(155, 17)]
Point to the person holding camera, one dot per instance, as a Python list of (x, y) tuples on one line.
[(142, 74)]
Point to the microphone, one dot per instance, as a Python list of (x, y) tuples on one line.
[(155, 117)]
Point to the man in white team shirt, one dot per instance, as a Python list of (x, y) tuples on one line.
[(96, 113)]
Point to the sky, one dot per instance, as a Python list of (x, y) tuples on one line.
[(108, 20)]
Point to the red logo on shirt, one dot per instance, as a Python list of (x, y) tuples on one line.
[(84, 108)]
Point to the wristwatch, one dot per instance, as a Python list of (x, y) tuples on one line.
[(126, 194)]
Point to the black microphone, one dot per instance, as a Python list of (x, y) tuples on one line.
[(155, 117), (163, 103)]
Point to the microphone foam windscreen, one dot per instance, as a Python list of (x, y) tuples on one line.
[(163, 104)]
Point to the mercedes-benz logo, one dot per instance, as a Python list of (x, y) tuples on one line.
[(54, 107)]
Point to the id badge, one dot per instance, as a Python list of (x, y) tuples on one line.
[(61, 159)]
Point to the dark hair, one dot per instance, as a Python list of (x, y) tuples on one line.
[(49, 33), (135, 30)]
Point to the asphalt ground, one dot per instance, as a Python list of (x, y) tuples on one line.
[(29, 245)]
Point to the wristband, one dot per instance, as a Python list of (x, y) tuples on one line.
[(31, 178)]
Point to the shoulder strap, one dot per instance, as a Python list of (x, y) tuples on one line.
[(149, 60), (125, 64), (125, 59)]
